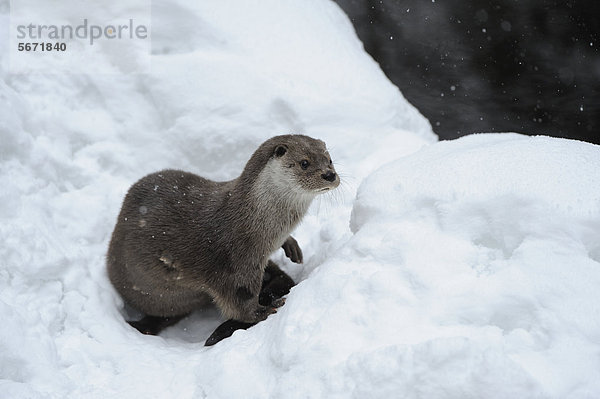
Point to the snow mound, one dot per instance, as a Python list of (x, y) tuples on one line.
[(465, 270), (475, 267)]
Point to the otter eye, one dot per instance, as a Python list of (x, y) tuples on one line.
[(330, 161), (304, 164)]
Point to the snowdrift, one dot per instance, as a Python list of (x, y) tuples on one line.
[(488, 250), (467, 269)]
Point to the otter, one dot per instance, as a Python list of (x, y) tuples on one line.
[(182, 242)]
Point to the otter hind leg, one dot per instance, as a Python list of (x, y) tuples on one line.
[(153, 325), (276, 284)]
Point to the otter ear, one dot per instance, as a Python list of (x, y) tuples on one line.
[(280, 150)]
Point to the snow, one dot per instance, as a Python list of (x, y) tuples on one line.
[(461, 269)]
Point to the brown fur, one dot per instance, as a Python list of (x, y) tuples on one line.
[(182, 241)]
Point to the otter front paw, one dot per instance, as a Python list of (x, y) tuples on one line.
[(262, 312), (277, 303), (292, 250), (275, 288)]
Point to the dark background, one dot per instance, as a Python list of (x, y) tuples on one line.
[(524, 66)]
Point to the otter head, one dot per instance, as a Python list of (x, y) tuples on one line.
[(304, 164)]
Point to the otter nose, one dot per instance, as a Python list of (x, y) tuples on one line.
[(329, 176)]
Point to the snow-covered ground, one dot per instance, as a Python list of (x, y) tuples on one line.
[(465, 269)]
